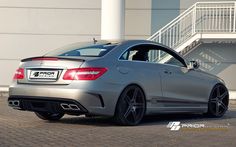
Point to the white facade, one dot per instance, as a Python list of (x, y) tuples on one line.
[(33, 27)]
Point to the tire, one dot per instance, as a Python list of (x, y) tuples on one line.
[(218, 101), (131, 106), (49, 116)]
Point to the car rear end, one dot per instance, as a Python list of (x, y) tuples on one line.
[(61, 82)]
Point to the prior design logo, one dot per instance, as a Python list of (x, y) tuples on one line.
[(174, 126), (44, 74), (36, 74)]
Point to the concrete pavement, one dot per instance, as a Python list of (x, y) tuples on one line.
[(19, 128)]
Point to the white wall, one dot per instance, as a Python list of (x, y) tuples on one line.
[(218, 59), (138, 19), (33, 27)]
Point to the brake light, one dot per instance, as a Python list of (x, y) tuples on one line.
[(19, 74), (89, 73)]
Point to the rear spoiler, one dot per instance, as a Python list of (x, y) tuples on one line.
[(50, 58)]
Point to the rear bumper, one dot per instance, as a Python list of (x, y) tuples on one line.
[(43, 104), (98, 100)]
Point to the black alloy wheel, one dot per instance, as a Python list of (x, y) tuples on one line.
[(218, 102), (131, 106)]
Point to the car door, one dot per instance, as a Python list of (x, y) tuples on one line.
[(183, 89), (141, 72)]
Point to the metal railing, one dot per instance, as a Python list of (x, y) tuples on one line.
[(202, 17)]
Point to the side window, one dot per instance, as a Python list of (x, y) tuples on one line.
[(174, 61), (152, 54), (128, 55), (167, 58), (137, 53)]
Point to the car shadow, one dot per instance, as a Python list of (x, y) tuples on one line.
[(189, 118), (159, 119), (93, 121)]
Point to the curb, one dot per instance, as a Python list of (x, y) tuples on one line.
[(4, 91), (4, 94), (232, 101)]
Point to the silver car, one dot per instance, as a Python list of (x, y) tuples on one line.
[(121, 79)]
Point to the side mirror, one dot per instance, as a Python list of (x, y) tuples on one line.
[(193, 65)]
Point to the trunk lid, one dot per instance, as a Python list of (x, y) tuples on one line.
[(47, 70)]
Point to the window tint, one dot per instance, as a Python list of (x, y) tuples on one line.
[(152, 54)]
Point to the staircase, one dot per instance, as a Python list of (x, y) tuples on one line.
[(203, 20)]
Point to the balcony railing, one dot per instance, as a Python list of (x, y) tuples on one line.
[(202, 17)]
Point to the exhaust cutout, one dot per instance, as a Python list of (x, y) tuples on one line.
[(65, 106), (14, 103)]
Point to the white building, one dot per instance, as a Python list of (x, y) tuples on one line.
[(33, 27)]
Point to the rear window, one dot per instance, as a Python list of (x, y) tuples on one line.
[(84, 51)]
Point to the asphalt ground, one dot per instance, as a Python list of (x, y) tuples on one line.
[(20, 128)]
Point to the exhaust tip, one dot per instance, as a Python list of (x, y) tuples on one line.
[(65, 106), (14, 103), (72, 107), (10, 103)]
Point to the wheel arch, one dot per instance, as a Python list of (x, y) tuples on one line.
[(209, 108), (131, 84), (214, 85)]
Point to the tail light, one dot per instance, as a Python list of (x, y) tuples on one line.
[(19, 74), (89, 73)]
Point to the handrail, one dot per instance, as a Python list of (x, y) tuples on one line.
[(174, 20), (178, 17), (202, 17)]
